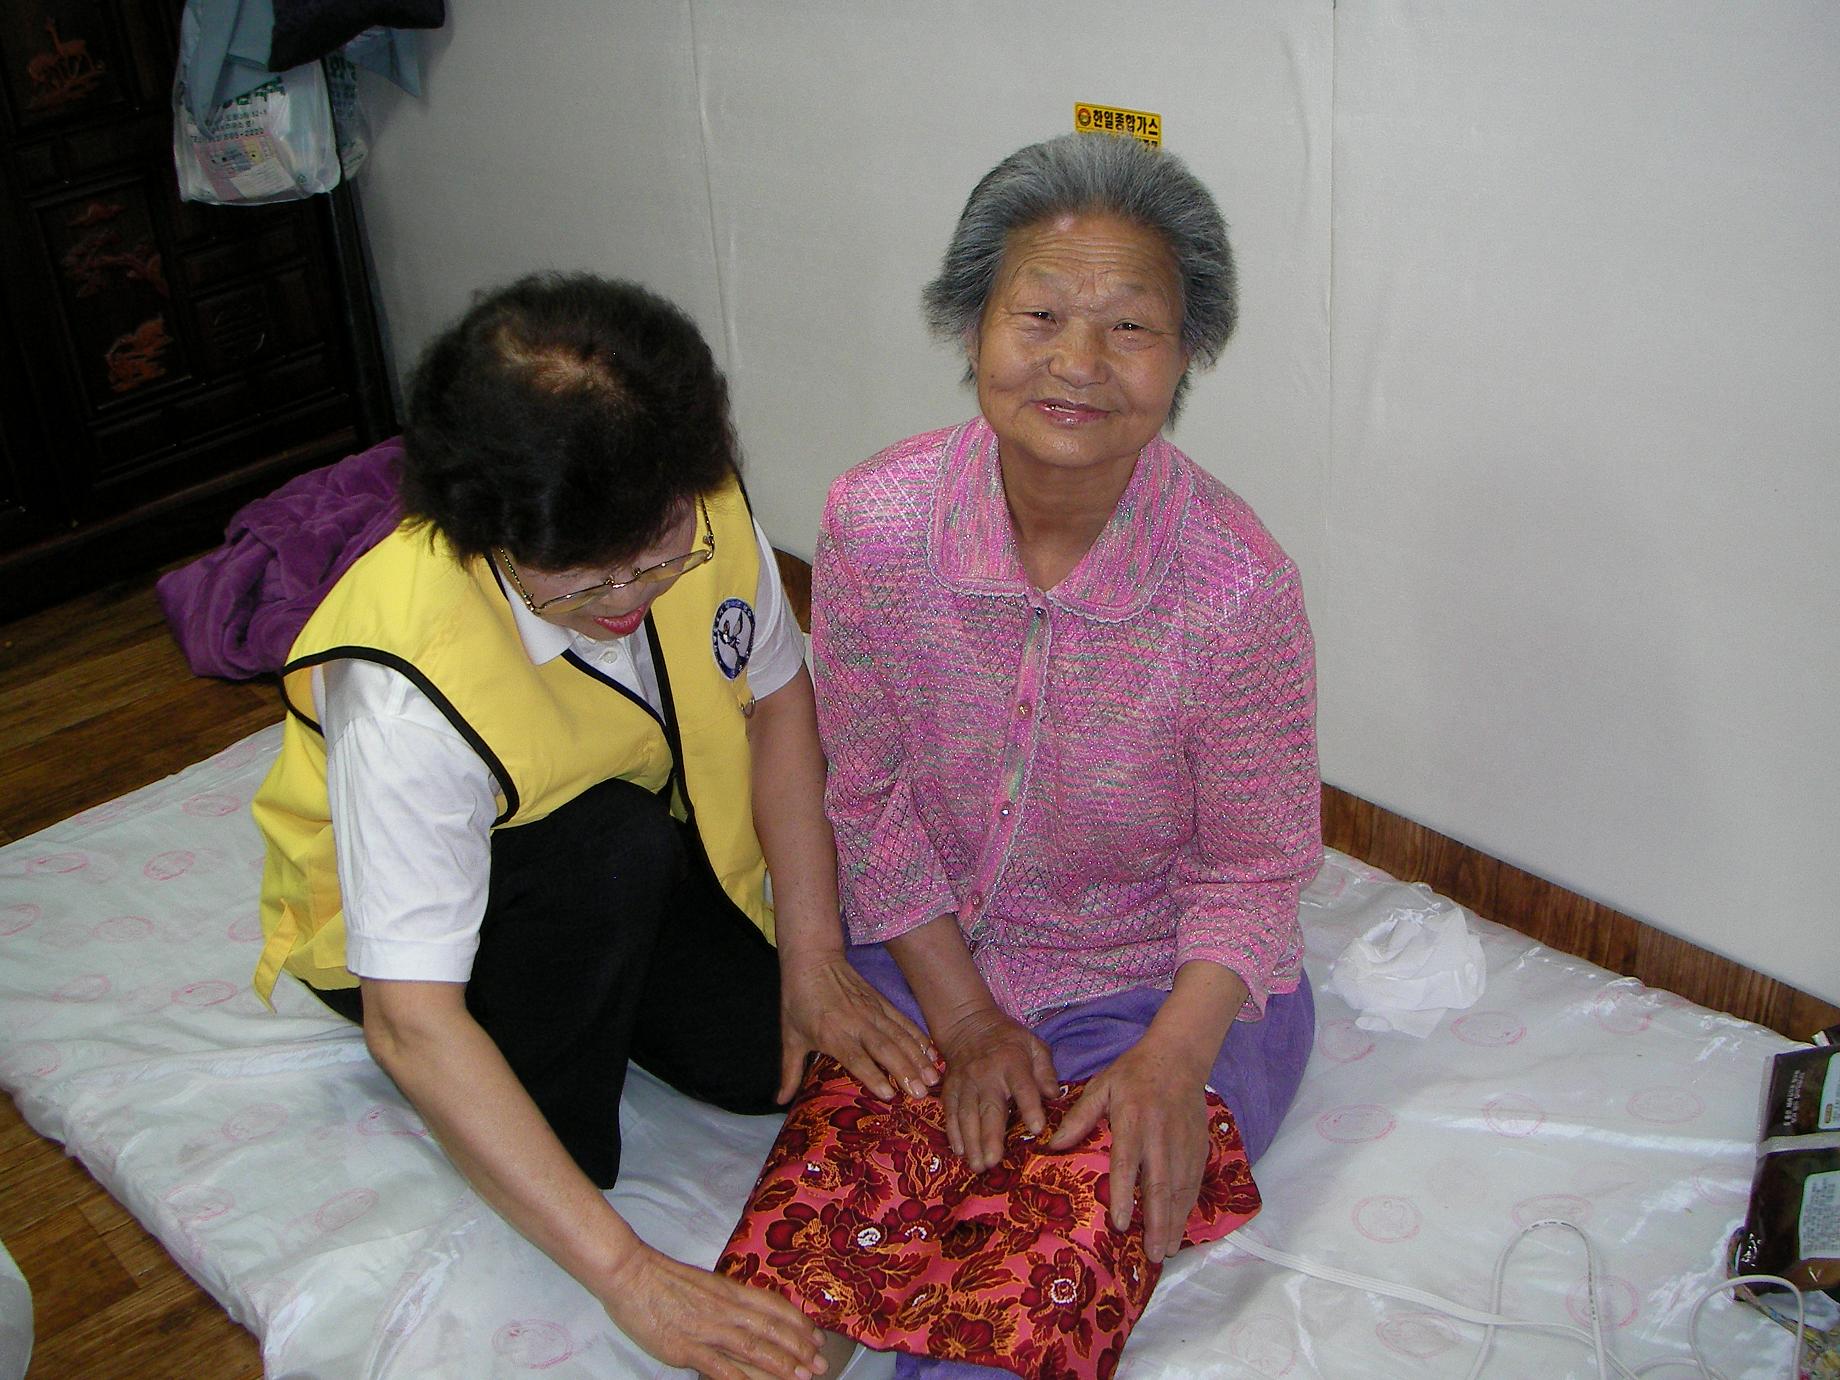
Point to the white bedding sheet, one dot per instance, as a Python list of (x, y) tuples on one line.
[(281, 1168), (15, 1319)]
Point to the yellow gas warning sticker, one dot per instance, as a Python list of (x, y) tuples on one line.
[(1146, 125)]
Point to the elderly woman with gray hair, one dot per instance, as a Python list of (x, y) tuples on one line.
[(1066, 689)]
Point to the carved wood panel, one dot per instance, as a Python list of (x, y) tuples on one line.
[(159, 352)]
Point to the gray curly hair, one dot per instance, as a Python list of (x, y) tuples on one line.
[(1084, 173)]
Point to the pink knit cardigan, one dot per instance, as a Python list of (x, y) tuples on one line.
[(1102, 782)]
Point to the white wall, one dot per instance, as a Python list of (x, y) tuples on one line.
[(1583, 520), (573, 142), (1537, 378), (790, 173)]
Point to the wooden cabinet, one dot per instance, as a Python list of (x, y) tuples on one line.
[(160, 361)]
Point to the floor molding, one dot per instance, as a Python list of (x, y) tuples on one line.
[(1564, 920)]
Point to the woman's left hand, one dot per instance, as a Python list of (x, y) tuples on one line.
[(825, 1005), (1158, 1113)]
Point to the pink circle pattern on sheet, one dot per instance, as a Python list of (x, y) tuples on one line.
[(199, 1148), (330, 1139), (108, 811), (58, 864), (208, 992), (165, 867), (382, 1119), (124, 929), (101, 1154), (189, 1252), (1330, 883), (342, 1209), (255, 1121), (89, 987), (275, 1297), (534, 1343), (33, 1059), (1489, 1029), (16, 919), (1617, 1299), (195, 1203), (1564, 1207), (1265, 1342), (1418, 1335), (144, 1001), (1387, 1218), (1343, 1042), (245, 929), (1513, 1115), (1349, 1125), (1623, 1010), (1716, 1184), (1234, 1259), (172, 927), (1666, 1106), (242, 754), (212, 805), (61, 937), (409, 1304)]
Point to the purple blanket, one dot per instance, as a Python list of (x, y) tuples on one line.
[(237, 610)]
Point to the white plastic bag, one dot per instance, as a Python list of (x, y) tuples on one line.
[(1407, 971), (351, 127), (274, 144)]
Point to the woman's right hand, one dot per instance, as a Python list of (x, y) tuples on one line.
[(709, 1323), (422, 1035), (992, 1063)]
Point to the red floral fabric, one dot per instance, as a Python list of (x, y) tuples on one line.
[(865, 1218)]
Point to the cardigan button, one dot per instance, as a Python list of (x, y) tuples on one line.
[(1022, 709)]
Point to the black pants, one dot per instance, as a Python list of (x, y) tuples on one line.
[(606, 939)]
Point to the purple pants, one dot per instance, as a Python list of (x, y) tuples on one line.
[(1256, 1074)]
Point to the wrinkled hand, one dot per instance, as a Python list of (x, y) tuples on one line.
[(992, 1062), (697, 1319), (1158, 1113), (826, 1005)]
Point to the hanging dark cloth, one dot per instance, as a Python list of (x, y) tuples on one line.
[(308, 30), (227, 48)]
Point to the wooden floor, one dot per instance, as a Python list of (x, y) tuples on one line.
[(96, 701)]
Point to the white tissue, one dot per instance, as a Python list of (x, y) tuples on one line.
[(1407, 971)]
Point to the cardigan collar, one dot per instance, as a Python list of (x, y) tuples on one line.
[(972, 543)]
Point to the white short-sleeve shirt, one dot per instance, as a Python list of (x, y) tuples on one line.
[(412, 805)]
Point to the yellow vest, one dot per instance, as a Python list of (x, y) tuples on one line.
[(547, 733)]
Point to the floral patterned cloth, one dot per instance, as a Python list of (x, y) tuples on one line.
[(865, 1218)]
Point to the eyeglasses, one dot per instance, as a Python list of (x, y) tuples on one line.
[(659, 574)]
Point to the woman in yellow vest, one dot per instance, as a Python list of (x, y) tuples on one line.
[(545, 742)]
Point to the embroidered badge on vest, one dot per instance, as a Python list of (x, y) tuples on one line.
[(732, 635)]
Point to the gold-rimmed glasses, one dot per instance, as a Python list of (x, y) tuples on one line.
[(658, 574)]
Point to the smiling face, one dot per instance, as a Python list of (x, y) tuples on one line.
[(1079, 350), (617, 612)]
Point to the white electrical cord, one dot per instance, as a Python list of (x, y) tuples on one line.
[(1492, 1318)]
